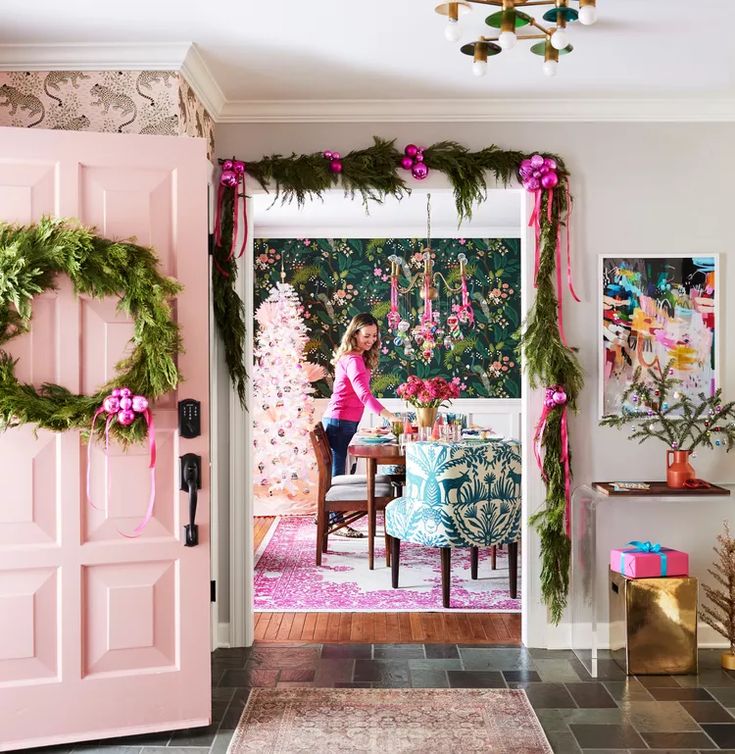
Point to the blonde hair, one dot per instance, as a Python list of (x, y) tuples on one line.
[(349, 340)]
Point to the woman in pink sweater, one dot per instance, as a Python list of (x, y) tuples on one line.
[(353, 361)]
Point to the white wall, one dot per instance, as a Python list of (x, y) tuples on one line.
[(638, 188)]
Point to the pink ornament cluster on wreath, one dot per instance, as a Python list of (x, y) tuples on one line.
[(335, 160), (431, 392), (538, 172), (232, 173), (124, 405), (413, 160), (555, 396)]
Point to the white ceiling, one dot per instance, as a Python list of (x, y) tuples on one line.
[(395, 51), (334, 216)]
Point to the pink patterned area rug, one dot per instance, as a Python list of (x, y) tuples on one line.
[(287, 578), (285, 720)]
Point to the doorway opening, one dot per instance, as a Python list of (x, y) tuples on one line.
[(336, 258)]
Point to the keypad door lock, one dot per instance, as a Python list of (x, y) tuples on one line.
[(190, 424)]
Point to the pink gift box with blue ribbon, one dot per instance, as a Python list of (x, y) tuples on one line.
[(648, 560)]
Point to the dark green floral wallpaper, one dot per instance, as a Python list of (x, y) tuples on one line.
[(338, 278)]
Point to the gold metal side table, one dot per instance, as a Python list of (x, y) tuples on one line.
[(653, 624)]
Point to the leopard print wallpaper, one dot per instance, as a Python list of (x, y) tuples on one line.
[(142, 102)]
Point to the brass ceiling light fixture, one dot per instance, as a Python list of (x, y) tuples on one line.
[(510, 19)]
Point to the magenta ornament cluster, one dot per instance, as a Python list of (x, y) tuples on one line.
[(122, 404), (413, 160), (538, 172), (335, 160), (232, 173)]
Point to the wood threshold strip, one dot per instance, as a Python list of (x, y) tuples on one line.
[(376, 628)]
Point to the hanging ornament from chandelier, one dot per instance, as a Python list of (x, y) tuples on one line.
[(509, 20), (430, 333)]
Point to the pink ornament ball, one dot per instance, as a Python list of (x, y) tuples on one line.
[(559, 397), (525, 167), (419, 171), (227, 165), (336, 156), (126, 417), (335, 166), (238, 166), (229, 178), (111, 404), (126, 392), (411, 150), (532, 184), (549, 180), (550, 163), (126, 403), (116, 392), (536, 174), (419, 156), (140, 403), (406, 163), (537, 161), (327, 154)]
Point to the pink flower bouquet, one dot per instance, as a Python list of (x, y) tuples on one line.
[(431, 392)]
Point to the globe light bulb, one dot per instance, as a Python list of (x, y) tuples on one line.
[(550, 68), (507, 39), (452, 31), (559, 39), (587, 15), (479, 68)]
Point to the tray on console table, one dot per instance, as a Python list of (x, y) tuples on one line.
[(659, 489)]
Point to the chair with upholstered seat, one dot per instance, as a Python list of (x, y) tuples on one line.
[(459, 495), (346, 493)]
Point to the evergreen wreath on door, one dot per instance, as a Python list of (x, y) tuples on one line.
[(31, 256)]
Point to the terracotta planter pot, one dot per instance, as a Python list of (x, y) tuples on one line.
[(678, 468), (426, 415)]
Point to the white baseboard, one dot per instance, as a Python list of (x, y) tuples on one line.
[(223, 635), (707, 637)]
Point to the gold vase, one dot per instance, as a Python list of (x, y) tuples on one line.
[(727, 660), (426, 415)]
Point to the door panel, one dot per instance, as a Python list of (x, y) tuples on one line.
[(119, 625)]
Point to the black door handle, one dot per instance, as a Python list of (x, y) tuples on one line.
[(191, 481)]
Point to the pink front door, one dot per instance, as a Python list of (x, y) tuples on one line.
[(101, 635)]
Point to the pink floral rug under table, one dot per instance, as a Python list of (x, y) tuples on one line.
[(288, 580)]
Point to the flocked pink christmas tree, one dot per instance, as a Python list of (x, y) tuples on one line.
[(283, 406)]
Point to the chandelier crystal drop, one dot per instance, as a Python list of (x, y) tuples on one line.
[(510, 20), (430, 332)]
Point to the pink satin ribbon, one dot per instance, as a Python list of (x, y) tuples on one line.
[(151, 465), (535, 222), (235, 217), (564, 454)]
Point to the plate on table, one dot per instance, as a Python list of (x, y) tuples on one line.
[(373, 440)]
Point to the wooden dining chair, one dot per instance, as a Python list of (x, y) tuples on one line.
[(344, 496)]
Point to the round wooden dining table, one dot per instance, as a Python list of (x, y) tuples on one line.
[(375, 454)]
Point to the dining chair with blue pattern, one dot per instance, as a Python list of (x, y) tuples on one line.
[(459, 495)]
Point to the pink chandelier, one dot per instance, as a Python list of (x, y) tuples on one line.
[(425, 336)]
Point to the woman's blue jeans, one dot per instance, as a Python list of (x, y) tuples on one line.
[(339, 433)]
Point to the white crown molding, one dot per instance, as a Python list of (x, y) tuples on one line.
[(205, 86), (468, 110), (93, 57), (184, 57)]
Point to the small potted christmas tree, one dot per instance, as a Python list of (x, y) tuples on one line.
[(721, 616), (662, 411)]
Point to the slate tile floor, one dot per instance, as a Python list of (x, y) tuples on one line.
[(608, 715)]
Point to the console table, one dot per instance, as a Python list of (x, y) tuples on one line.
[(599, 522)]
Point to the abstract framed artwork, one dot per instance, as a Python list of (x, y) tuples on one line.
[(657, 308)]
